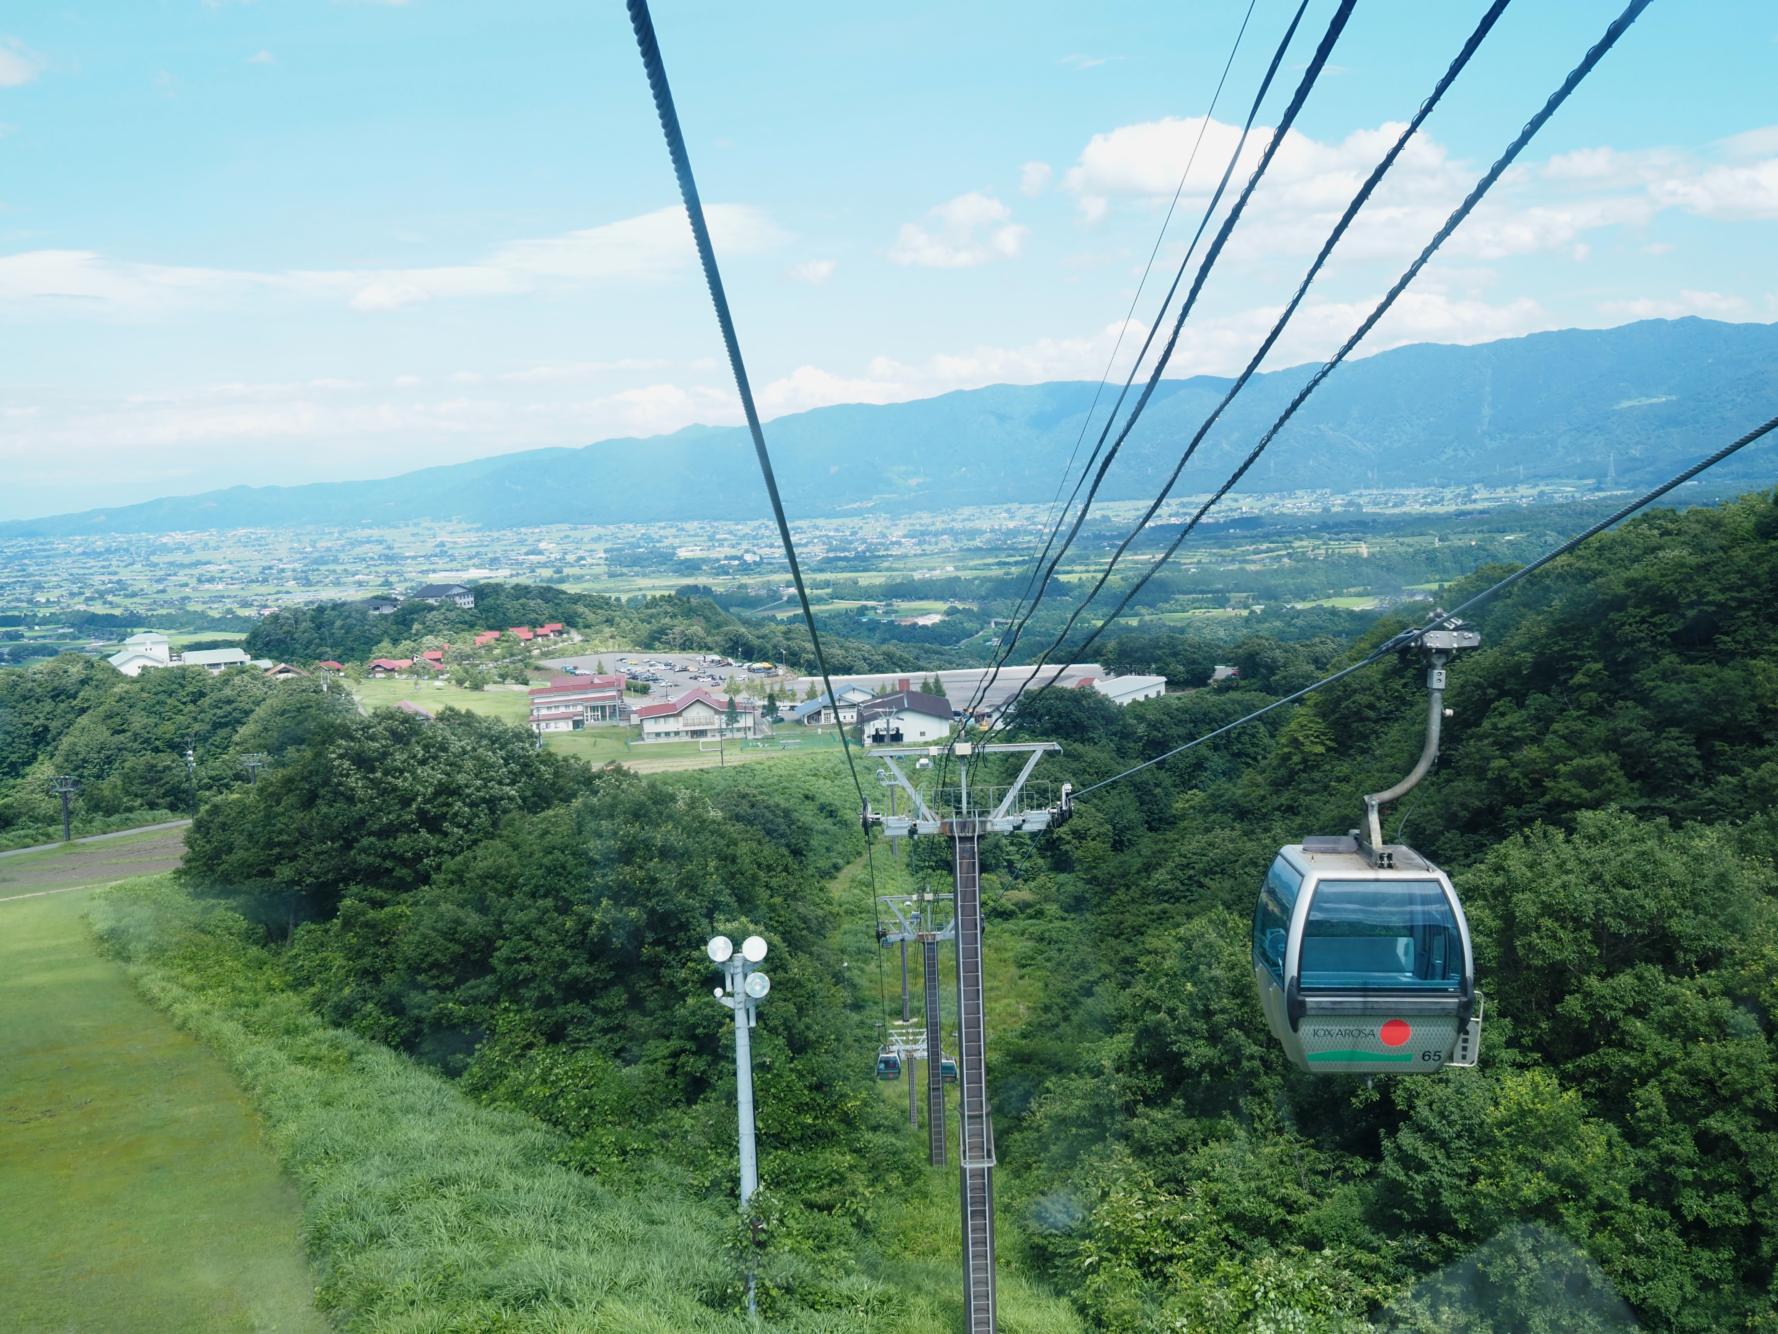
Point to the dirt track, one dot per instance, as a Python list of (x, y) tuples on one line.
[(91, 863)]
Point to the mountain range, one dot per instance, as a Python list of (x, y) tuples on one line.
[(1633, 403)]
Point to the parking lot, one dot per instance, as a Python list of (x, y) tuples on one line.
[(667, 674)]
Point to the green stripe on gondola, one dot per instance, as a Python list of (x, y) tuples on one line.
[(1361, 1056)]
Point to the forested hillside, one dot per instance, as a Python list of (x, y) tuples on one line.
[(124, 739), (348, 632), (532, 929), (1604, 804)]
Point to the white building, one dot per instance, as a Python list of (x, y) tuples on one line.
[(820, 711), (212, 660), (1122, 690), (140, 652), (696, 716), (151, 649), (906, 718), (455, 595)]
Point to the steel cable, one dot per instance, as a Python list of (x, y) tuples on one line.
[(1359, 199), (1408, 638), (643, 26), (1335, 26)]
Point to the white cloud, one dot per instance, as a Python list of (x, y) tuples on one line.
[(1762, 142), (647, 248), (1549, 207), (1215, 346), (960, 233), (814, 272), (1712, 305), (1611, 166), (1034, 178), (19, 65), (658, 408), (580, 370), (1741, 191), (262, 57)]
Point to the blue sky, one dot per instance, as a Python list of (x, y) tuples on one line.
[(300, 240)]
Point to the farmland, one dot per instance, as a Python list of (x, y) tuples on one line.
[(87, 593)]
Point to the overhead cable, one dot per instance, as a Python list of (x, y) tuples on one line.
[(1408, 638), (1311, 73), (1051, 521), (643, 25), (1359, 199), (1597, 52)]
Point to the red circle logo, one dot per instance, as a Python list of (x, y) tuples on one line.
[(1395, 1032)]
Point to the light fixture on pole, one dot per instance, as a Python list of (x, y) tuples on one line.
[(742, 992)]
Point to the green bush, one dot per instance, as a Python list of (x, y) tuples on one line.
[(426, 1212)]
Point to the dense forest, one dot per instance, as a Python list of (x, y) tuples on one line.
[(348, 632), (1605, 805), (124, 739), (532, 929)]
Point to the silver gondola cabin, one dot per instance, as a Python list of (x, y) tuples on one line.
[(1360, 949), (1365, 969)]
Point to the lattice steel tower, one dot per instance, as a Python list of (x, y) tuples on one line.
[(964, 817)]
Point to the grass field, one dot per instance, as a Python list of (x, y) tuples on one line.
[(1347, 603), (595, 745), (135, 1193), (512, 705), (608, 745)]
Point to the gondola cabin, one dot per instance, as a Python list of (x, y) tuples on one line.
[(888, 1064), (947, 1070), (1364, 964)]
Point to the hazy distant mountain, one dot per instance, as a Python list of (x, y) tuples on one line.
[(1638, 402)]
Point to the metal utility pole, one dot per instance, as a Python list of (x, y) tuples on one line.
[(65, 787), (913, 1040), (253, 761), (964, 820), (191, 772), (929, 961), (744, 989)]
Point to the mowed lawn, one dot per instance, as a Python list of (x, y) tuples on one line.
[(512, 705), (135, 1192), (611, 745), (595, 745)]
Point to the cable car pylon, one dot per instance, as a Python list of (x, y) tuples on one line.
[(964, 821)]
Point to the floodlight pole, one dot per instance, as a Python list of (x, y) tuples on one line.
[(964, 825), (191, 772), (744, 1000), (65, 788)]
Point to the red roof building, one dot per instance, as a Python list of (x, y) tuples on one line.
[(331, 666), (696, 715), (389, 666), (586, 700), (486, 637), (523, 632)]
